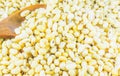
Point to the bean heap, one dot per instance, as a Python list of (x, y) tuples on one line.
[(68, 38)]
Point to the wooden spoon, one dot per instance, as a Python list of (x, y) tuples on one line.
[(8, 25)]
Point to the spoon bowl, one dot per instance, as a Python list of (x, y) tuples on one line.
[(9, 24)]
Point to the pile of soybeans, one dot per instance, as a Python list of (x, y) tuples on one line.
[(67, 38)]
